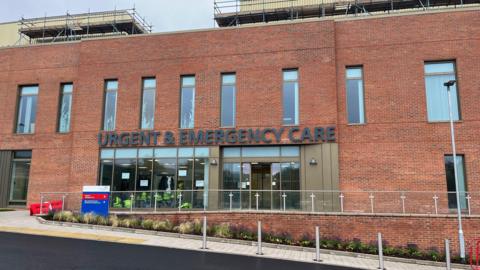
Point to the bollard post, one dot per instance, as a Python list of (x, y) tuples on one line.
[(468, 204), (341, 201), (204, 243), (447, 254), (230, 195), (371, 201), (41, 205), (63, 202), (317, 244), (313, 202), (284, 204), (435, 198), (403, 197), (155, 202), (256, 200), (131, 202), (204, 201), (180, 202), (380, 252), (259, 236)]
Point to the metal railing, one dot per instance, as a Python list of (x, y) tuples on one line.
[(316, 201)]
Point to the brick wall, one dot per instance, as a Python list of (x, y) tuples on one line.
[(425, 231)]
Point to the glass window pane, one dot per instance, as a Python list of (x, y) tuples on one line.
[(202, 152), (124, 176), (290, 103), (148, 108), (437, 97), (200, 182), (165, 152), (451, 187), (144, 181), (289, 75), (19, 181), (164, 180), (110, 106), (106, 172), (228, 79), (354, 73), (187, 106), (270, 151), (185, 152), (441, 67), (126, 153), (231, 182), (112, 85), (231, 152), (65, 108), (228, 106), (185, 174), (106, 153), (355, 99), (149, 83), (27, 110), (145, 153), (22, 154), (290, 151)]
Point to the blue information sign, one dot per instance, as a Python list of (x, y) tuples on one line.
[(95, 199)]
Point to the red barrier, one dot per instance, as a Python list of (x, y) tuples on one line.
[(474, 254), (47, 207)]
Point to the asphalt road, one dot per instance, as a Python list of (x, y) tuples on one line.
[(20, 251)]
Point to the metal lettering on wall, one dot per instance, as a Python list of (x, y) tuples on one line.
[(219, 136)]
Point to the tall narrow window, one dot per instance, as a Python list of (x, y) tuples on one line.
[(110, 109), (228, 100), (290, 97), (451, 188), (148, 103), (27, 109), (355, 102), (65, 108), (436, 74), (187, 106)]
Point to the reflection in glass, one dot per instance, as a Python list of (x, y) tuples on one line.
[(110, 107), (451, 187), (65, 108), (19, 185), (231, 181), (185, 173), (144, 182), (106, 172), (436, 74), (187, 106), (291, 184), (200, 182), (164, 181), (27, 109), (290, 97), (148, 103), (228, 100), (355, 100)]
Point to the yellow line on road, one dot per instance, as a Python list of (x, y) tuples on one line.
[(84, 236)]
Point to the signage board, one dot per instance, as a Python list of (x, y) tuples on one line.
[(96, 199)]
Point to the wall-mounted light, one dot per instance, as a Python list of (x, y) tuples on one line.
[(214, 162), (313, 161)]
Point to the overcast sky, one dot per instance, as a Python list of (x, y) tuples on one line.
[(165, 15)]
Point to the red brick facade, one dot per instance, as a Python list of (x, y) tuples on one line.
[(396, 150)]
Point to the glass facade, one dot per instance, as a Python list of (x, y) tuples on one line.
[(290, 97), (148, 103), (161, 170), (110, 107), (436, 74), (187, 102), (451, 187), (65, 109), (355, 99), (27, 109), (228, 96), (19, 179)]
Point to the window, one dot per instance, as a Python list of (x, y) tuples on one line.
[(290, 97), (19, 178), (449, 171), (436, 74), (65, 108), (110, 108), (148, 103), (187, 106), (355, 102), (228, 100), (27, 109)]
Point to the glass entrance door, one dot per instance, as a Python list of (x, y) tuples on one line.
[(261, 185), (19, 180)]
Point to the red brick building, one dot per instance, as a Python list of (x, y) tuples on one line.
[(71, 113)]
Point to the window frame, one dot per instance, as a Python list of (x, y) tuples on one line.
[(17, 107), (105, 81), (180, 100), (297, 109), (142, 99), (362, 78), (455, 73), (60, 103), (234, 98), (465, 178)]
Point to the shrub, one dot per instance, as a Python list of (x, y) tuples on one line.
[(113, 221), (62, 216), (306, 241), (101, 221), (129, 223), (222, 230), (165, 226), (185, 227), (147, 224), (89, 218), (197, 226)]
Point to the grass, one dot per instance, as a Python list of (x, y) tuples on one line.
[(6, 209)]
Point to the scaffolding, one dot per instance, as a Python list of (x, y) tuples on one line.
[(236, 12), (72, 27)]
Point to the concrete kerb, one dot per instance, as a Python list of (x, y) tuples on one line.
[(247, 243)]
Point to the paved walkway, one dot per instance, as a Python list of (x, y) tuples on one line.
[(21, 222)]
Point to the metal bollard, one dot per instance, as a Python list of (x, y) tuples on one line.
[(155, 202), (284, 204), (259, 236), (317, 244), (63, 202), (131, 202), (447, 254), (41, 205), (313, 202), (230, 195), (256, 201), (204, 243), (381, 265)]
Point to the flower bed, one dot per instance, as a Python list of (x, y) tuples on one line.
[(226, 230)]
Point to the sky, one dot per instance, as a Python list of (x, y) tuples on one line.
[(164, 15)]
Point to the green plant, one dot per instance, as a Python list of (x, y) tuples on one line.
[(185, 227), (129, 223), (222, 230), (165, 226), (89, 218), (100, 220), (197, 226), (113, 221), (147, 224)]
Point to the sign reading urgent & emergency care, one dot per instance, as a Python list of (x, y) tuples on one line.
[(95, 199)]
